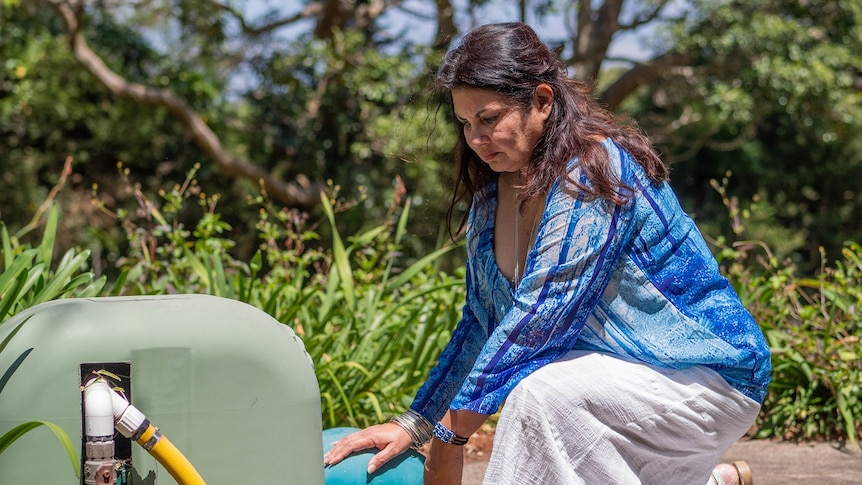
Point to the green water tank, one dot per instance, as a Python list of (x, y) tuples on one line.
[(230, 386)]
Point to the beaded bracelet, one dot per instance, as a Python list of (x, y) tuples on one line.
[(446, 435)]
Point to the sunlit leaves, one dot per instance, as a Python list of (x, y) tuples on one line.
[(772, 94)]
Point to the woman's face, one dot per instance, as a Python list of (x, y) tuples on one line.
[(498, 129)]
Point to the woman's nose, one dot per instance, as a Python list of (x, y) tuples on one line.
[(478, 138)]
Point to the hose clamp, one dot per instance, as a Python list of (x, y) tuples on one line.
[(153, 440)]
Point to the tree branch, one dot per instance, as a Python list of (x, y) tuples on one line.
[(293, 194), (645, 17), (639, 75), (311, 10)]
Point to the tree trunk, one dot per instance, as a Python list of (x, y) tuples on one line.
[(596, 28)]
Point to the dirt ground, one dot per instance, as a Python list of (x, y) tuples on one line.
[(772, 462)]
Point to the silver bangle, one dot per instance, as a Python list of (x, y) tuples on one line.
[(419, 428)]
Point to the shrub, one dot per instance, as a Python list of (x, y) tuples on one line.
[(372, 323), (29, 278), (813, 326)]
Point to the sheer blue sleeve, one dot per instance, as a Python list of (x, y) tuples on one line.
[(457, 358)]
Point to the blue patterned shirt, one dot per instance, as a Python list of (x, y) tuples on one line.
[(636, 280)]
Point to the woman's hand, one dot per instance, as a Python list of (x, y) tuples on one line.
[(444, 464), (389, 438)]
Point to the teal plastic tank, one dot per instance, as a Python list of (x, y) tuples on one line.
[(230, 386)]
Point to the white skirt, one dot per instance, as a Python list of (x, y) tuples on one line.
[(596, 418)]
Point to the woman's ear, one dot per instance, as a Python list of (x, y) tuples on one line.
[(543, 99)]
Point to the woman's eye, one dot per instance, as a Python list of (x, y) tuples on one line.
[(489, 120)]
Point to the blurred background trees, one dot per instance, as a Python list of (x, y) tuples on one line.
[(295, 97)]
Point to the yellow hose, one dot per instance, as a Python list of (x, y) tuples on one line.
[(170, 457)]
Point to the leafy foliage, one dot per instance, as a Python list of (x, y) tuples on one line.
[(813, 326), (372, 325), (769, 89), (44, 116), (772, 93), (351, 111), (28, 278)]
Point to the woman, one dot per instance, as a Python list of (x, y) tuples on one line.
[(594, 307)]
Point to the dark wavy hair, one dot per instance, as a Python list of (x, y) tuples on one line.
[(509, 58)]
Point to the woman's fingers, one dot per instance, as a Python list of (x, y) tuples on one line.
[(345, 446), (385, 454)]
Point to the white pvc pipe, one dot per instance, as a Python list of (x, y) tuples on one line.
[(106, 409), (98, 409), (128, 418)]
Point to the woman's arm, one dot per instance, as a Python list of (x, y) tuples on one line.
[(445, 462), (433, 398)]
